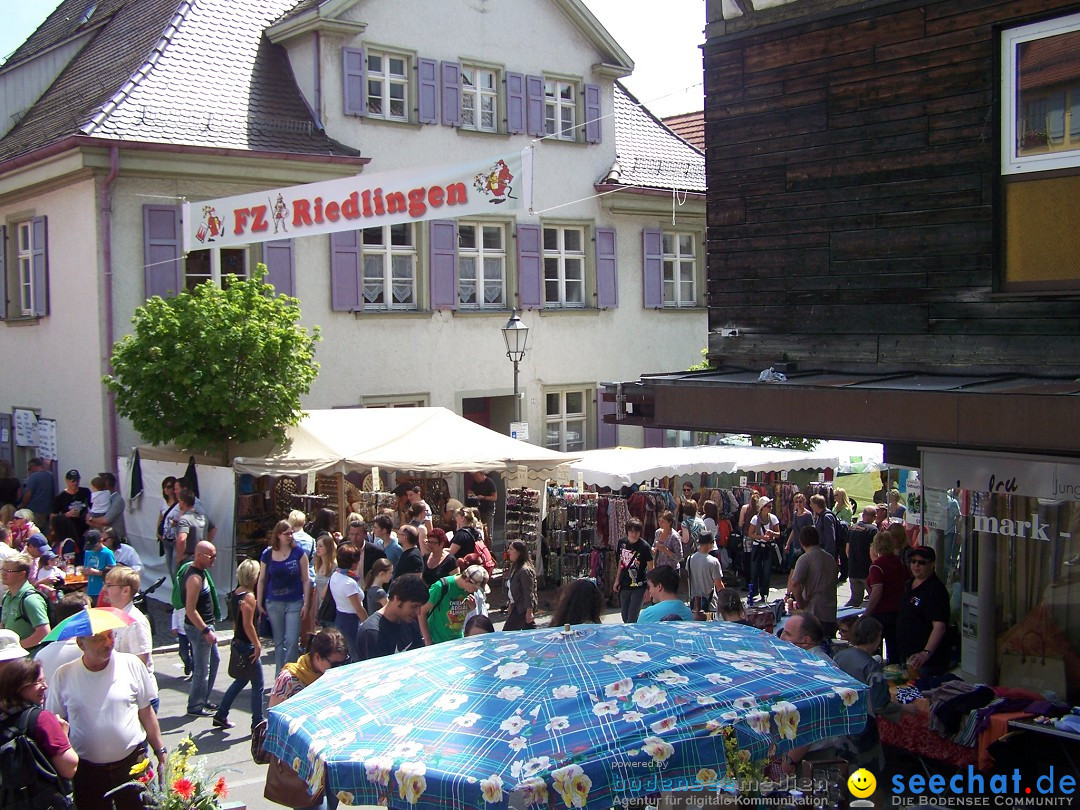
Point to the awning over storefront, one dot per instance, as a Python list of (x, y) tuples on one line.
[(431, 439), (624, 466), (1024, 414)]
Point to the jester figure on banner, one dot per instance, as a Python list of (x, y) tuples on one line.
[(496, 182), (211, 227)]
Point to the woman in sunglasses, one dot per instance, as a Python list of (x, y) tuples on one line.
[(924, 617)]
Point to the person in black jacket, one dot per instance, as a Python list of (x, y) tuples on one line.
[(923, 619), (410, 561)]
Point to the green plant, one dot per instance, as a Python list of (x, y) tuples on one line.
[(740, 768), (214, 366), (184, 785)]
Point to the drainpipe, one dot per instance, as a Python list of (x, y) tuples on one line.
[(106, 254), (318, 79)]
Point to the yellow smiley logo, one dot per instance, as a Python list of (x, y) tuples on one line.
[(862, 783)]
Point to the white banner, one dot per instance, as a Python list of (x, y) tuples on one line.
[(499, 183)]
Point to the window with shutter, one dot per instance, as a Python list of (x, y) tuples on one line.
[(592, 113), (566, 418), (427, 80), (353, 81), (481, 264), (442, 241), (607, 274), (162, 271), (386, 86), (653, 268), (515, 103), (451, 93), (680, 269), (479, 99), (564, 267), (530, 267), (24, 269), (278, 256)]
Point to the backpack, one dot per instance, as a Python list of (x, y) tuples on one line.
[(28, 780), (843, 534), (484, 554)]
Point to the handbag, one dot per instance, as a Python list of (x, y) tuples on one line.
[(1033, 670), (241, 667), (258, 734), (328, 608), (284, 786)]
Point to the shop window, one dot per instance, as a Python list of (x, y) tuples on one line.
[(567, 419), (1040, 134)]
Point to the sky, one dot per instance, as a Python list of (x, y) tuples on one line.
[(662, 38)]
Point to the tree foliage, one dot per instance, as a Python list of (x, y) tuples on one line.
[(215, 366)]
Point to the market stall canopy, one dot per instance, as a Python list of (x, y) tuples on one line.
[(428, 439), (620, 467)]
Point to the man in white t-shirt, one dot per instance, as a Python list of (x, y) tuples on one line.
[(55, 655), (105, 697), (121, 584)]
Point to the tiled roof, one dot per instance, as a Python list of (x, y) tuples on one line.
[(67, 19), (297, 9), (690, 127), (648, 154), (178, 72)]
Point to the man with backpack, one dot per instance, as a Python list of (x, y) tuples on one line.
[(24, 608), (450, 600)]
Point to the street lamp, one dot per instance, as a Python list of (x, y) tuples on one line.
[(516, 335)]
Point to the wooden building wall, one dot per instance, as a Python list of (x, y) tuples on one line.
[(852, 163)]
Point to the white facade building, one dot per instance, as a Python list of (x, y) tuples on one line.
[(168, 100)]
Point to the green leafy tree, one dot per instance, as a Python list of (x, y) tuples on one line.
[(215, 366)]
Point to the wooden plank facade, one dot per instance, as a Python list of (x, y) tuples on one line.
[(854, 203)]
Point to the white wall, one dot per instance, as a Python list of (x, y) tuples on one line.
[(55, 364)]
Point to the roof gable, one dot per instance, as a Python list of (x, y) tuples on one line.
[(178, 72)]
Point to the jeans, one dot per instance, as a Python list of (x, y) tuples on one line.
[(234, 690), (349, 625), (285, 624), (858, 591), (630, 603), (205, 659), (185, 652), (761, 560)]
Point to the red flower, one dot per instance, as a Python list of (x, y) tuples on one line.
[(147, 776), (219, 788), (184, 788)]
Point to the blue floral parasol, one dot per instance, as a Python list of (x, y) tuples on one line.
[(585, 717)]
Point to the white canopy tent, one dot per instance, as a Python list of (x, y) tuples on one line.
[(421, 439), (619, 467)]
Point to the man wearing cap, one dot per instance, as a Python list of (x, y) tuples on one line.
[(923, 618), (450, 600), (24, 609), (10, 648), (72, 503), (106, 698), (38, 491), (706, 577)]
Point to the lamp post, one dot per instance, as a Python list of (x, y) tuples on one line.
[(516, 335)]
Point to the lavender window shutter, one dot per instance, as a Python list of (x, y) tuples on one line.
[(515, 103), (353, 80), (443, 255), (534, 105), (161, 250), (345, 255), (451, 94), (40, 265), (427, 76), (3, 272), (607, 274), (280, 264), (654, 437), (592, 113), (530, 267), (653, 268)]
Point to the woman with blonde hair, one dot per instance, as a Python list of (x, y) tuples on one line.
[(284, 592), (245, 644), (325, 562), (841, 505), (885, 580), (468, 531)]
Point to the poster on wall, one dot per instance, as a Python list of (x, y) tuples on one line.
[(46, 439), (913, 497), (25, 427)]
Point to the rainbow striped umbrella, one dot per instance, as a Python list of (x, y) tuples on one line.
[(89, 623)]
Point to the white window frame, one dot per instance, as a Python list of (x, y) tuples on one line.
[(560, 254), (480, 255), (24, 264), (561, 420), (477, 94), (1011, 163), (389, 252), (216, 275), (555, 105), (386, 81), (397, 401), (675, 262)]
